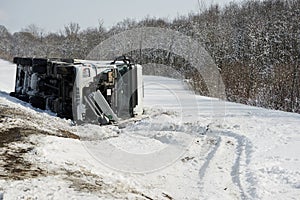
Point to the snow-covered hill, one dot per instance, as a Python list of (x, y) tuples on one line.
[(184, 147)]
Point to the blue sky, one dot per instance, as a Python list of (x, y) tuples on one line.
[(52, 15)]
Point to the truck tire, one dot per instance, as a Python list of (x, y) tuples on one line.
[(38, 102), (39, 65), (39, 61), (22, 97), (67, 60), (17, 60), (25, 61), (40, 69), (12, 94)]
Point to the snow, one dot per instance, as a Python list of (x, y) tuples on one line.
[(7, 76), (185, 146)]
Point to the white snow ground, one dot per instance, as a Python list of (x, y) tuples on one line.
[(184, 147)]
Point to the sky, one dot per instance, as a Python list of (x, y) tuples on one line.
[(53, 15)]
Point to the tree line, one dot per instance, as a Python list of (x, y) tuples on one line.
[(255, 44)]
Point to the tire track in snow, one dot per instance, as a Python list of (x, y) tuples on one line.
[(244, 146), (208, 158)]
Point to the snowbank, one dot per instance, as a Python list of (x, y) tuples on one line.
[(7, 76)]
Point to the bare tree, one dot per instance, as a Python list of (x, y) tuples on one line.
[(72, 29), (34, 30)]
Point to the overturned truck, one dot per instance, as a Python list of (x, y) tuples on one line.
[(85, 91)]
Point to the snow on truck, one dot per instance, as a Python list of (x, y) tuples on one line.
[(84, 91)]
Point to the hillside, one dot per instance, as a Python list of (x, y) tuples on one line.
[(185, 146)]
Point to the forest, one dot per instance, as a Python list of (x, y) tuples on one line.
[(255, 45)]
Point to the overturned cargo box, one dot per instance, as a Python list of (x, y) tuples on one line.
[(82, 90)]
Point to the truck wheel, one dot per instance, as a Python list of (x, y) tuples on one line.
[(38, 102), (67, 60), (23, 97), (40, 69), (25, 61), (17, 60), (39, 61), (12, 94)]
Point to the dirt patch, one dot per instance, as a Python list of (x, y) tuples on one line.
[(9, 112), (13, 166), (10, 135), (86, 181), (17, 118), (14, 144), (18, 169), (67, 134), (16, 125), (187, 158), (16, 134)]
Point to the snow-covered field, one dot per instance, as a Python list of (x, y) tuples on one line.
[(184, 147)]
